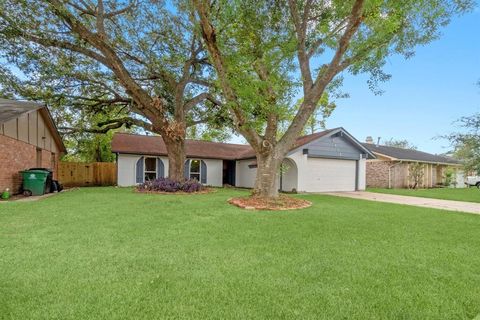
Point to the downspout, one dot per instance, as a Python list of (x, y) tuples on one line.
[(116, 164)]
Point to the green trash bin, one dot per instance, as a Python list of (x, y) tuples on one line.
[(34, 182)]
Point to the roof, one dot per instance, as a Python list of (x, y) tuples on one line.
[(409, 154), (12, 109), (153, 145)]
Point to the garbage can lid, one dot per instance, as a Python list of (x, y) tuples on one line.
[(41, 169), (34, 171)]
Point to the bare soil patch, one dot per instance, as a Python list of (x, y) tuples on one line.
[(283, 202)]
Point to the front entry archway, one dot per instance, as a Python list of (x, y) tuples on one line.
[(288, 176)]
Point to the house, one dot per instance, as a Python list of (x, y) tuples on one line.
[(331, 160), (28, 138), (390, 168)]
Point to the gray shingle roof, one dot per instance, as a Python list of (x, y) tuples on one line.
[(11, 109), (154, 145), (408, 154)]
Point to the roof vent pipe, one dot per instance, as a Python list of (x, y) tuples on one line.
[(378, 141)]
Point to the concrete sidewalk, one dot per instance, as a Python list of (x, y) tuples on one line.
[(451, 205)]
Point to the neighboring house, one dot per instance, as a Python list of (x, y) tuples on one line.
[(28, 138), (390, 169), (331, 160)]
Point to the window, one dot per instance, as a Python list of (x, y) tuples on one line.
[(150, 169), (195, 169)]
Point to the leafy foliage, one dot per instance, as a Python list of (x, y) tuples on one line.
[(399, 143), (267, 52), (415, 174), (466, 144), (449, 176), (140, 62), (169, 185)]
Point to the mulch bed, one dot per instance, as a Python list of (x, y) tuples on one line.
[(282, 203), (205, 191)]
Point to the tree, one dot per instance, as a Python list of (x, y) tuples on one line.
[(399, 143), (264, 50), (135, 58), (83, 145), (317, 121), (415, 174), (466, 144)]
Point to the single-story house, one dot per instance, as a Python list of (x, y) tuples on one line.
[(390, 167), (28, 138), (332, 160)]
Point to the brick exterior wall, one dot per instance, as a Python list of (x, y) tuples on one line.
[(377, 174), (16, 156)]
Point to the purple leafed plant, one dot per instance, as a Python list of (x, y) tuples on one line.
[(168, 185)]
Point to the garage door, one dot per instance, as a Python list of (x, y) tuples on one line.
[(330, 175)]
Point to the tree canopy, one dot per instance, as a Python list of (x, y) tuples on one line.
[(139, 59), (400, 143), (466, 143), (265, 52)]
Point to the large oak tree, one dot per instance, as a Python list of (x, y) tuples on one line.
[(265, 50), (136, 59)]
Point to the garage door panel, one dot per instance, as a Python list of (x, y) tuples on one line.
[(330, 175)]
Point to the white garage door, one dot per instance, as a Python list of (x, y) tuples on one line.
[(330, 175)]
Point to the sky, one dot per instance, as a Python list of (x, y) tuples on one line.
[(426, 94)]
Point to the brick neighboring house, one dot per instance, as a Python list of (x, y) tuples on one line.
[(390, 169), (28, 138)]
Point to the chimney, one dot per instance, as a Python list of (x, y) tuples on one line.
[(369, 140), (378, 141)]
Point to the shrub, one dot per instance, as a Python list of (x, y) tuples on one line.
[(169, 185)]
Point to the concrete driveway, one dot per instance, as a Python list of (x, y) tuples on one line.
[(451, 205)]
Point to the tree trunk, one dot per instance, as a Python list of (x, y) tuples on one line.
[(268, 167), (176, 158)]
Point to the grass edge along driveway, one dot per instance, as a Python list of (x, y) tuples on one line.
[(457, 194), (101, 253)]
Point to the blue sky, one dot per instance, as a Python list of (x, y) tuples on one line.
[(425, 95)]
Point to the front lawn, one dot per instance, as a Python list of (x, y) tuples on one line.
[(107, 253), (459, 194)]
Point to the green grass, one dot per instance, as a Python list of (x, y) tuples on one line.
[(460, 194), (106, 253)]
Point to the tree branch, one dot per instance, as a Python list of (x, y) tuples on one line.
[(209, 36), (106, 126)]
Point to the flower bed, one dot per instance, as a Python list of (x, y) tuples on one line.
[(283, 202), (166, 185)]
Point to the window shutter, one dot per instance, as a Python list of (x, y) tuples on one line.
[(139, 177), (186, 170), (160, 168), (203, 172)]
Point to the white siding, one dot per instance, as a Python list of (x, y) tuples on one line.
[(245, 176), (362, 174), (126, 169), (330, 175), (214, 172)]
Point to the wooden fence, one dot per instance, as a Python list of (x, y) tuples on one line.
[(79, 174)]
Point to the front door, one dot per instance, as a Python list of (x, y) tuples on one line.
[(229, 172)]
